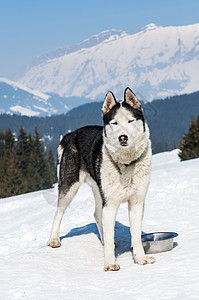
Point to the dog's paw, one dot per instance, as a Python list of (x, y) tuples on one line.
[(112, 267), (144, 260), (54, 243)]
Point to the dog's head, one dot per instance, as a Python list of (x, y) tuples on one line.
[(124, 122)]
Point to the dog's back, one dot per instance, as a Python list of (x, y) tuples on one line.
[(79, 151)]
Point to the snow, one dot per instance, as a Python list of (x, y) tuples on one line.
[(31, 270), (24, 111), (157, 62), (17, 85), (27, 102)]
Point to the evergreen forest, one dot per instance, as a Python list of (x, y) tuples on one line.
[(189, 145), (24, 165)]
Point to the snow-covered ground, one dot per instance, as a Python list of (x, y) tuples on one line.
[(31, 270)]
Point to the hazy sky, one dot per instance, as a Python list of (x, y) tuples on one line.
[(29, 28)]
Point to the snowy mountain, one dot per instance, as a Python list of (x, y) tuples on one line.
[(31, 270), (16, 98), (155, 62), (88, 43)]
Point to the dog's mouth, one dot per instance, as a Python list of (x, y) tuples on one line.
[(123, 139), (123, 144)]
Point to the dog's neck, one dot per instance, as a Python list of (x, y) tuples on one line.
[(121, 159), (127, 155)]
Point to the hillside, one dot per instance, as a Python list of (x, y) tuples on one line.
[(31, 270), (16, 98), (168, 120), (156, 62)]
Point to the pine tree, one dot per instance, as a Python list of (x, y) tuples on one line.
[(9, 139), (22, 151), (24, 166), (32, 183), (39, 160), (13, 183), (51, 162), (2, 163), (189, 146), (11, 180), (42, 173)]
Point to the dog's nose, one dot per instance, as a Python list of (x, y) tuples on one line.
[(123, 139)]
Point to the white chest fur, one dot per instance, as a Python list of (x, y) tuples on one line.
[(119, 181)]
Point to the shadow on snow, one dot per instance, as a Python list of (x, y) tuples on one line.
[(122, 236)]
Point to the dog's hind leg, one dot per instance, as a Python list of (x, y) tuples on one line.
[(98, 213), (63, 202)]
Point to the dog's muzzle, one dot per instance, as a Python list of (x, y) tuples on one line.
[(123, 139)]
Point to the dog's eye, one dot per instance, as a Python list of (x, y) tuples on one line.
[(130, 121), (114, 123)]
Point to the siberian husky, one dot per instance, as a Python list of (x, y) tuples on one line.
[(116, 162)]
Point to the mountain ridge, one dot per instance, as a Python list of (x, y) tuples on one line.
[(156, 62), (77, 46), (19, 99)]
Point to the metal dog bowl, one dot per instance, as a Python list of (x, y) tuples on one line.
[(158, 242)]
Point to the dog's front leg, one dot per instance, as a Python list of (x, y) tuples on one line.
[(108, 220), (135, 218)]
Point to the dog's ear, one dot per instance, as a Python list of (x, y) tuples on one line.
[(109, 102), (131, 99)]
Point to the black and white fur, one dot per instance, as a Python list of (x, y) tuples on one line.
[(116, 162)]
